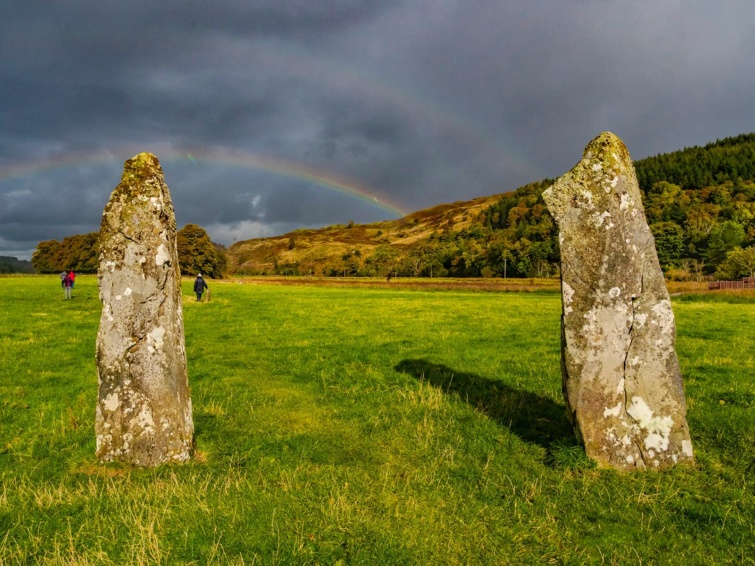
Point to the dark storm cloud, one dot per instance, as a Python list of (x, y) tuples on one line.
[(418, 102)]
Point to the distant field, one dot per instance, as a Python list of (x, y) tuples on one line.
[(357, 425)]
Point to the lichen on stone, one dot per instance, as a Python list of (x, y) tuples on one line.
[(621, 377), (141, 357)]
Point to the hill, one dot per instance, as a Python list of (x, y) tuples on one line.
[(700, 204), (10, 264), (333, 249)]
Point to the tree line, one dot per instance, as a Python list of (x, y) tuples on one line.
[(80, 253)]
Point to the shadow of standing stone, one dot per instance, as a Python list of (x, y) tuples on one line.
[(532, 417), (143, 412)]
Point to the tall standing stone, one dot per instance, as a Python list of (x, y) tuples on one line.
[(621, 376), (144, 410)]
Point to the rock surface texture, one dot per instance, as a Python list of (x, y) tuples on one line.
[(144, 409), (621, 377)]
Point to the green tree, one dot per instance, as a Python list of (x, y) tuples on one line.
[(669, 242), (197, 253), (44, 257), (738, 263), (723, 238)]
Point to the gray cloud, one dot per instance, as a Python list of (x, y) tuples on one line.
[(417, 102)]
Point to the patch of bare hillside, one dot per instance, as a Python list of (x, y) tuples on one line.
[(316, 250)]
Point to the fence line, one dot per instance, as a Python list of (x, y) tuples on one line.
[(746, 283)]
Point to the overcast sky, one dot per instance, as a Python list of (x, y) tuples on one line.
[(393, 105)]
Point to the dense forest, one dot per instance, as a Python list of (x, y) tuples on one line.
[(196, 254), (699, 202)]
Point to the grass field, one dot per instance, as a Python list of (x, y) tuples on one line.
[(365, 426)]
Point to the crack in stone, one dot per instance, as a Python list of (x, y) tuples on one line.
[(624, 373), (129, 238)]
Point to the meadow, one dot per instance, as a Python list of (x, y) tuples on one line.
[(366, 426)]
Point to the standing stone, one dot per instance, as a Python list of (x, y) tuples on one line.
[(144, 409), (621, 377)]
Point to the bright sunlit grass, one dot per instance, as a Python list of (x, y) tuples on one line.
[(365, 426)]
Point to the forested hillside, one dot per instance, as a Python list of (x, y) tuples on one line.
[(729, 159), (700, 203)]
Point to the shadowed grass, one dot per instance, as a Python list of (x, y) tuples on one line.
[(364, 426)]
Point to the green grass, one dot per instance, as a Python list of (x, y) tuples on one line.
[(365, 426)]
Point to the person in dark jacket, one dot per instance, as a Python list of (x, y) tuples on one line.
[(199, 286), (67, 286)]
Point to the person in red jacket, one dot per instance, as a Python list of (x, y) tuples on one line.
[(72, 275)]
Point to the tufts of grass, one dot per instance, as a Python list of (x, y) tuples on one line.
[(365, 426)]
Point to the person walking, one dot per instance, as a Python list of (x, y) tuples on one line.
[(63, 276), (199, 286), (72, 275), (67, 286)]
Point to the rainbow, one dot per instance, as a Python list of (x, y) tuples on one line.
[(338, 73), (212, 155)]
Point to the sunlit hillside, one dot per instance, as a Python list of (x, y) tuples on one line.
[(316, 249)]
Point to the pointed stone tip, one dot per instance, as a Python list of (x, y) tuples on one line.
[(604, 141), (143, 161), (145, 157)]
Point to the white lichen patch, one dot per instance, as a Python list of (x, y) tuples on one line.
[(144, 419), (687, 448), (587, 198), (567, 292), (162, 256), (664, 316), (626, 202), (111, 402), (615, 292), (639, 319), (127, 292), (156, 336), (613, 411), (600, 218), (658, 428)]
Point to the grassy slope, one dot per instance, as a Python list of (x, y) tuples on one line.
[(316, 245), (369, 426)]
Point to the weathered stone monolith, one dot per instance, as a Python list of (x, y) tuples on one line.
[(621, 377), (144, 409)]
